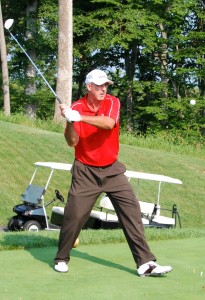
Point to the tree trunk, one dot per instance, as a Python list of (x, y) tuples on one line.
[(4, 65), (131, 58), (65, 55), (164, 59), (201, 27), (31, 107)]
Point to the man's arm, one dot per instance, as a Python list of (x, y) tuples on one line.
[(71, 135), (101, 122)]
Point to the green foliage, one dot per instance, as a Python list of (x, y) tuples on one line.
[(153, 50), (129, 34)]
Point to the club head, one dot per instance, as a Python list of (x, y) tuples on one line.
[(8, 23)]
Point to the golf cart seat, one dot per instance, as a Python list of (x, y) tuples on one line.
[(58, 210), (33, 194), (106, 211), (103, 216), (57, 215), (147, 210)]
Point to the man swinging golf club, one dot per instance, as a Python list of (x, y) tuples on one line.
[(92, 128)]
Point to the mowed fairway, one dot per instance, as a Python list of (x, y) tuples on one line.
[(104, 272)]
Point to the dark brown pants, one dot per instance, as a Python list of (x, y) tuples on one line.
[(87, 184)]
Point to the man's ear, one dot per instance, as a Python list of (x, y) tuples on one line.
[(88, 86)]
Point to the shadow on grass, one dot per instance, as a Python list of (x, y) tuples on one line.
[(44, 249), (46, 255), (101, 261)]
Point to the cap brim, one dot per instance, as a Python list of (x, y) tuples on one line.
[(100, 82)]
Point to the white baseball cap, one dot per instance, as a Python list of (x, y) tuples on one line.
[(97, 77)]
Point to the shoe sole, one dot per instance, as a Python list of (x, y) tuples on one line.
[(154, 274), (60, 271)]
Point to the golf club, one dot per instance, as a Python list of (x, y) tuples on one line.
[(7, 25)]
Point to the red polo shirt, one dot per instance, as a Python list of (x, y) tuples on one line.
[(97, 147)]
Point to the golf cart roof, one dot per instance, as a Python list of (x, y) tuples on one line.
[(54, 165), (155, 177), (129, 174)]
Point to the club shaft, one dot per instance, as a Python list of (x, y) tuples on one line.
[(37, 69)]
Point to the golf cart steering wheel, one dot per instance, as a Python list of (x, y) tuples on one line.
[(59, 196)]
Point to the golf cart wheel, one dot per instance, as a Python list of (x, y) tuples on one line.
[(13, 224), (32, 226)]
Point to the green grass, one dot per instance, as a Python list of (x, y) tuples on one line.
[(101, 272), (27, 240), (21, 146), (102, 266), (167, 141)]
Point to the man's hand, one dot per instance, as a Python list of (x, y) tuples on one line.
[(72, 115), (69, 114)]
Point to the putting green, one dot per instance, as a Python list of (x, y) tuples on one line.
[(103, 272)]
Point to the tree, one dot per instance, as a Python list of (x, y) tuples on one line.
[(65, 55), (31, 24), (159, 62), (4, 65), (125, 27), (154, 50)]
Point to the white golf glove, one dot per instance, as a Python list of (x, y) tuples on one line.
[(72, 115)]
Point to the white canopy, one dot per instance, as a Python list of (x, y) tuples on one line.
[(129, 174), (155, 177), (54, 165)]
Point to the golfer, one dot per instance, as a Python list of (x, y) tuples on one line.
[(92, 128)]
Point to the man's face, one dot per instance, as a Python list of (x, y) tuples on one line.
[(97, 92)]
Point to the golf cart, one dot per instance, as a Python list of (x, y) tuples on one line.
[(32, 214)]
